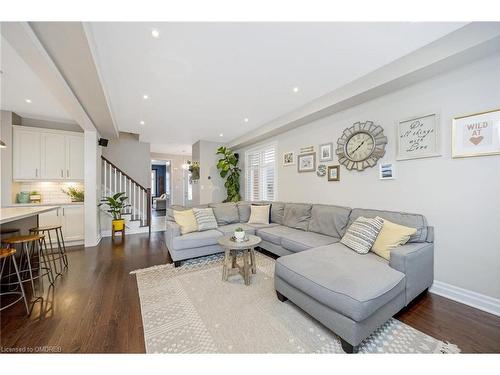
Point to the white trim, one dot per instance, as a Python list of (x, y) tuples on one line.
[(467, 297)]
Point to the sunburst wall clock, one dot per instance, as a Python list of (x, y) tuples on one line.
[(361, 145)]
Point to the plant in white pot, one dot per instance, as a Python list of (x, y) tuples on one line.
[(239, 234)]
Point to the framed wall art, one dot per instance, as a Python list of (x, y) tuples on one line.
[(326, 152), (477, 134), (334, 173), (288, 158), (418, 137), (306, 162), (387, 171)]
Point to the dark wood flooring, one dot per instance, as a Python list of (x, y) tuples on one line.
[(95, 307)]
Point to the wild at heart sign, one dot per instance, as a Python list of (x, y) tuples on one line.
[(476, 135)]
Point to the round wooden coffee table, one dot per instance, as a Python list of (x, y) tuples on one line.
[(231, 249)]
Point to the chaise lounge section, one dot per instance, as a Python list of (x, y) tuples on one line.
[(352, 294)]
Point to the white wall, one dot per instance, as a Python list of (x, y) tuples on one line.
[(177, 174), (92, 188), (131, 156), (459, 197), (210, 187)]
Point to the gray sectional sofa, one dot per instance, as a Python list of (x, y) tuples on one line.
[(350, 293)]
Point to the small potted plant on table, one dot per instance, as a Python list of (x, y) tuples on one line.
[(239, 234), (116, 204)]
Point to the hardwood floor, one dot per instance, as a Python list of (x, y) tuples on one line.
[(95, 307)]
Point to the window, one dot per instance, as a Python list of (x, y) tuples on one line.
[(260, 173)]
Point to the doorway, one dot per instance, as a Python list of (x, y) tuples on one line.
[(161, 187)]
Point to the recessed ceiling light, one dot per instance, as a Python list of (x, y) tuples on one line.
[(155, 33), (28, 100), (142, 122), (295, 89), (245, 119), (221, 135), (145, 97)]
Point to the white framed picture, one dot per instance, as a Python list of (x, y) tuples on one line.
[(387, 171), (288, 158), (418, 137), (306, 162), (326, 152), (476, 135)]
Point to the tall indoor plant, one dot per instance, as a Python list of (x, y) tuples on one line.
[(228, 169), (116, 204)]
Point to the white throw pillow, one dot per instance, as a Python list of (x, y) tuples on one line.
[(259, 214), (205, 218), (362, 233)]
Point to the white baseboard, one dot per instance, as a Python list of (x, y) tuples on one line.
[(467, 297)]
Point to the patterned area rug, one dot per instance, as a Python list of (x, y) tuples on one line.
[(190, 309)]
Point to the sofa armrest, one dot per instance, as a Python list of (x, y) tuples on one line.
[(172, 230), (416, 261)]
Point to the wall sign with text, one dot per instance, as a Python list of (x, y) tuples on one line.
[(476, 135), (418, 137)]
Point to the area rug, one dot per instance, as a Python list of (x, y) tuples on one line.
[(190, 309)]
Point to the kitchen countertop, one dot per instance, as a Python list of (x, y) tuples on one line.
[(8, 214), (44, 204)]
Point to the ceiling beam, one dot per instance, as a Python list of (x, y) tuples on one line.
[(22, 38), (469, 43)]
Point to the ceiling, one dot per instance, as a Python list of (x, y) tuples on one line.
[(19, 83)]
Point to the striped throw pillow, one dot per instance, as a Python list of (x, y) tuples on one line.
[(362, 233), (205, 218)]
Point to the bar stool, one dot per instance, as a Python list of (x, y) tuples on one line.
[(5, 256), (6, 233), (60, 253), (32, 246)]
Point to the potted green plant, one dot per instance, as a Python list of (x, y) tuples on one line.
[(228, 167), (194, 168), (239, 234), (76, 194), (116, 204)]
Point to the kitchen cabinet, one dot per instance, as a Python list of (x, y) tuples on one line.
[(47, 154), (72, 221), (26, 155)]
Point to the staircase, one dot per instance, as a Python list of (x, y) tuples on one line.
[(114, 180)]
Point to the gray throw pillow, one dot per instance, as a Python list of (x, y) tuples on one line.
[(205, 218), (362, 233), (297, 215), (244, 211), (226, 213)]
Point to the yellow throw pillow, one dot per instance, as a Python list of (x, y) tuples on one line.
[(259, 214), (186, 220), (391, 236)]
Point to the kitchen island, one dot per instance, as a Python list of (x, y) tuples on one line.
[(22, 218)]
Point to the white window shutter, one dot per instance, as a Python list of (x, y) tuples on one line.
[(260, 172)]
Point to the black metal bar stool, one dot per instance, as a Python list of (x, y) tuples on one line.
[(8, 255), (56, 254), (33, 260)]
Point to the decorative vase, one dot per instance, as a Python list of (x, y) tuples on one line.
[(239, 235), (118, 224)]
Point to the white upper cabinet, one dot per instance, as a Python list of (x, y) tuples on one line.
[(46, 154), (53, 165), (26, 155), (74, 157)]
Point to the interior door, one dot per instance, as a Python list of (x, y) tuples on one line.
[(53, 156), (27, 152), (74, 158)]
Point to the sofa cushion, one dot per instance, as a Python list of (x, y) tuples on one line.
[(402, 218), (196, 239), (243, 211), (205, 218), (277, 212), (171, 209), (226, 213), (391, 236), (262, 226), (329, 220), (276, 233), (259, 214), (297, 215), (186, 220), (305, 240), (352, 284), (229, 229)]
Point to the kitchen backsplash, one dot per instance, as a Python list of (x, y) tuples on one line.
[(51, 192)]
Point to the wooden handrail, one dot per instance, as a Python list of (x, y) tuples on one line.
[(123, 173)]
